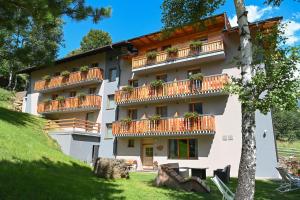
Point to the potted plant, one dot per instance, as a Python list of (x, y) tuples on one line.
[(60, 98), (84, 69), (151, 56), (46, 78), (172, 52), (127, 89), (195, 46), (81, 95), (196, 77), (191, 115), (156, 84), (126, 121), (154, 118), (65, 74), (47, 101)]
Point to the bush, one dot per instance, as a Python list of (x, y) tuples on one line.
[(46, 78), (156, 83), (60, 98), (196, 77), (65, 73), (151, 55), (196, 45), (127, 88), (172, 50), (6, 95), (84, 68), (191, 115)]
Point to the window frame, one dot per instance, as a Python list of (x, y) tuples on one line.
[(110, 78), (188, 149), (108, 104), (130, 113), (192, 107), (106, 133), (158, 111), (130, 143)]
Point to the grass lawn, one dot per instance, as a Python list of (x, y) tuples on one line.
[(287, 149), (33, 167)]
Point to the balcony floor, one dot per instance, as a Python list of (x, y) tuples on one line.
[(167, 134), (218, 55)]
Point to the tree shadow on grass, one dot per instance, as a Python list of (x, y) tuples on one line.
[(16, 118), (45, 179)]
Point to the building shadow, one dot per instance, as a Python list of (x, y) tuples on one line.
[(17, 118), (45, 179)]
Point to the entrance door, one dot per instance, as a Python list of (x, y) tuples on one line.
[(148, 155)]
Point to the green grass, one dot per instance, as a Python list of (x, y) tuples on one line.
[(287, 149), (33, 167)]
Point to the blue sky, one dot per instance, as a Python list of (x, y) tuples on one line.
[(131, 18)]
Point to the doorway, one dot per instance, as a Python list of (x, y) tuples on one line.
[(148, 155)]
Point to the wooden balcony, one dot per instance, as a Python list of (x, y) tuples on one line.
[(166, 127), (72, 104), (75, 79), (184, 54), (210, 85), (73, 125)]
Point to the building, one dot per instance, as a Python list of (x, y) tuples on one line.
[(171, 106)]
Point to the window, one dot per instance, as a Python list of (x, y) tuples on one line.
[(92, 90), (73, 94), (163, 48), (95, 65), (108, 131), (182, 149), (195, 71), (196, 107), (95, 152), (162, 111), (149, 151), (56, 74), (132, 113), (54, 96), (112, 74), (111, 102), (133, 83), (75, 69), (163, 77), (131, 143)]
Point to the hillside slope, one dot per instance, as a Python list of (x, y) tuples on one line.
[(33, 167)]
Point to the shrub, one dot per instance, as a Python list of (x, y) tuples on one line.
[(196, 77), (6, 95), (126, 120), (65, 73), (172, 50), (46, 78), (196, 45), (151, 55), (156, 83), (127, 88), (191, 115), (60, 98), (84, 68), (154, 118)]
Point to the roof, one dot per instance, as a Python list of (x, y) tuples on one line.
[(77, 56)]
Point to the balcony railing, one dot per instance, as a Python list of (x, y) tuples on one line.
[(75, 78), (185, 52), (170, 126), (89, 102), (72, 125), (182, 88)]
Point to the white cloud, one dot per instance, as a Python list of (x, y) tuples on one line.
[(291, 30), (254, 13), (296, 15)]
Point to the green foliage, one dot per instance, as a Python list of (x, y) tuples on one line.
[(151, 55), (48, 100), (81, 95), (274, 84), (196, 77), (6, 97), (95, 39), (60, 98), (196, 45), (84, 68), (127, 88), (156, 83), (172, 50), (46, 78), (191, 115), (126, 120), (154, 117), (65, 73), (286, 125), (177, 13)]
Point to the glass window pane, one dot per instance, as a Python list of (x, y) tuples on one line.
[(173, 152), (183, 149), (112, 74), (198, 108), (109, 131), (111, 102), (193, 148)]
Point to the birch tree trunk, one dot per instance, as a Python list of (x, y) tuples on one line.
[(246, 177), (10, 79)]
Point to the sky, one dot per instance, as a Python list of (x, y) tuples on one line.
[(131, 18)]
